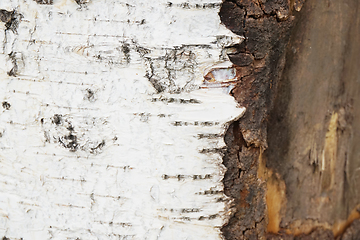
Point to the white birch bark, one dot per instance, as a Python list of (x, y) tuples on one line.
[(108, 130)]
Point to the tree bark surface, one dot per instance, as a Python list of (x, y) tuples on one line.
[(113, 118), (293, 160)]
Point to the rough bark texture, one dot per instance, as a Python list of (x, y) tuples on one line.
[(293, 163), (260, 58), (292, 160)]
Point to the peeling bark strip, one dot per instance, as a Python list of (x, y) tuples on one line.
[(113, 119)]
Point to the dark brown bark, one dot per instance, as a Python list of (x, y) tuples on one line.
[(293, 163)]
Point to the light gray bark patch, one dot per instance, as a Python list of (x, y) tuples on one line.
[(60, 130), (172, 72), (120, 55)]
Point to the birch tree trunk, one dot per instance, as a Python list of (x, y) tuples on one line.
[(108, 128)]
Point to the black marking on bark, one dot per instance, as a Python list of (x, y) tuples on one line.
[(188, 219), (196, 123), (155, 82), (175, 100), (6, 105), (180, 177), (90, 95), (202, 177), (210, 192), (6, 16), (14, 70), (11, 19), (141, 50), (187, 5), (57, 119), (82, 3), (213, 216), (69, 141), (210, 217), (213, 150), (181, 210), (190, 210), (44, 2), (59, 129), (98, 147), (199, 46), (209, 135), (125, 48)]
